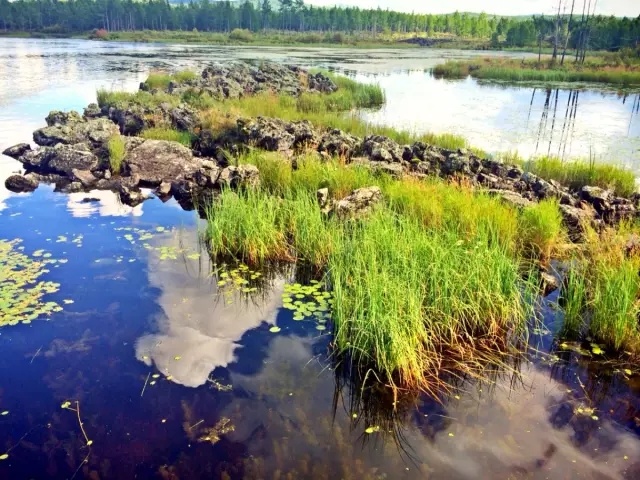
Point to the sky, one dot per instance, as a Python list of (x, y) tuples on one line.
[(621, 8)]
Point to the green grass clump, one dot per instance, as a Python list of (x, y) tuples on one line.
[(161, 80), (601, 295), (185, 138), (510, 70), (540, 229), (576, 174), (116, 147), (148, 100)]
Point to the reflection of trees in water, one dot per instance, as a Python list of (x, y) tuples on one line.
[(557, 125)]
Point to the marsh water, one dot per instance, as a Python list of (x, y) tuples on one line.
[(172, 367)]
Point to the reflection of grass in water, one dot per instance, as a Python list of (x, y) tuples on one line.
[(21, 290)]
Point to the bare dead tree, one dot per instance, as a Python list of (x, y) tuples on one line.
[(566, 40), (581, 34), (555, 39)]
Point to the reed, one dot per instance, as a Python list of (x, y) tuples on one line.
[(170, 134), (116, 147)]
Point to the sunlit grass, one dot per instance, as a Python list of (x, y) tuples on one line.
[(116, 147), (185, 138)]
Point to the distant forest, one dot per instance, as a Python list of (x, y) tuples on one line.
[(55, 16)]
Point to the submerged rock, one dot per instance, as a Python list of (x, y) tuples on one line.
[(21, 183)]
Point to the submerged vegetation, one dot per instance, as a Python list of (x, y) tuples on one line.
[(596, 70)]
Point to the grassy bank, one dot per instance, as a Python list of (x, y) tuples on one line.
[(437, 271), (595, 70)]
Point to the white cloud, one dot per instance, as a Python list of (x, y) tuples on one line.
[(629, 8)]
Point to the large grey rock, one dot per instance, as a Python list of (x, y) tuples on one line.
[(598, 197), (382, 149), (511, 198), (64, 159), (96, 132), (360, 201), (85, 177), (157, 161), (17, 150), (242, 175), (21, 183), (577, 219)]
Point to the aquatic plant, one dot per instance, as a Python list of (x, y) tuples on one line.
[(170, 134), (116, 147), (540, 229), (21, 290)]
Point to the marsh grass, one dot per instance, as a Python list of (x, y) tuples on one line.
[(158, 133), (161, 80), (111, 98), (409, 284), (602, 291), (511, 70), (576, 174), (541, 233), (116, 147)]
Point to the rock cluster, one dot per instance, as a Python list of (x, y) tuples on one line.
[(236, 80)]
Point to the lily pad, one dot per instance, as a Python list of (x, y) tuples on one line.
[(275, 329)]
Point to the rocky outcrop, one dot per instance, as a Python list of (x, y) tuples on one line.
[(235, 80), (132, 118), (337, 143)]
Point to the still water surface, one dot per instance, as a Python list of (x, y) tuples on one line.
[(179, 378)]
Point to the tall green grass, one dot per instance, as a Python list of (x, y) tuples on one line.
[(158, 133), (540, 229), (576, 174), (521, 71), (161, 80), (116, 147)]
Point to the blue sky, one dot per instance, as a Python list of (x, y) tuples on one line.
[(629, 8)]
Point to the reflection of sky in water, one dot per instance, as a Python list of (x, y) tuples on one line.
[(197, 324)]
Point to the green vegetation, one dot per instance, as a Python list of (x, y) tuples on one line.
[(21, 287), (161, 80), (576, 174), (602, 292), (510, 70), (116, 148), (541, 230), (158, 133)]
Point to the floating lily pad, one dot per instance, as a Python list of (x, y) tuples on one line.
[(4, 456), (275, 329)]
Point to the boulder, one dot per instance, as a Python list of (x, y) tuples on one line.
[(92, 111), (360, 201), (576, 219), (382, 149), (85, 177), (456, 164), (512, 198), (157, 161), (21, 183), (337, 143), (95, 132), (322, 196), (242, 175), (270, 134), (17, 150), (598, 197), (63, 159), (548, 283)]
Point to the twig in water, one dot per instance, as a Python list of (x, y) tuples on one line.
[(196, 424), (35, 355), (80, 422), (80, 466), (145, 384)]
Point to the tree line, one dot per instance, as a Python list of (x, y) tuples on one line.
[(57, 16)]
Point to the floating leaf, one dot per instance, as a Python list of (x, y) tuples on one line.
[(4, 456), (65, 405), (6, 412), (153, 382), (371, 430), (89, 443), (177, 357), (67, 302), (155, 375), (275, 329), (596, 350), (628, 372), (320, 327)]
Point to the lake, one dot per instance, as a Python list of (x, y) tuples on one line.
[(163, 366)]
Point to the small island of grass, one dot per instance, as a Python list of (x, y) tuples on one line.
[(598, 69)]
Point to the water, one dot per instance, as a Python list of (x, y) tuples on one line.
[(177, 379)]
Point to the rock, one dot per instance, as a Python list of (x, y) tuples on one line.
[(157, 161), (85, 177), (17, 150), (243, 175), (57, 118), (92, 111), (130, 196), (69, 187), (63, 159), (267, 133), (382, 149), (164, 189), (576, 219), (337, 143), (512, 198), (456, 164), (95, 132), (359, 202), (21, 183), (323, 197), (598, 197), (395, 170), (548, 283)]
